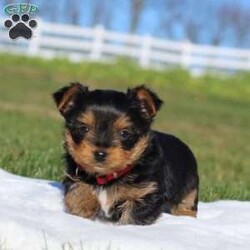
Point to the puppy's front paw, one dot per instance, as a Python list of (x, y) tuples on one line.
[(81, 201)]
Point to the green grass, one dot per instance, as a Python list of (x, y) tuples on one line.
[(210, 113)]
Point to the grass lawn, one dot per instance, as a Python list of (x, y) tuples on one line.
[(210, 113)]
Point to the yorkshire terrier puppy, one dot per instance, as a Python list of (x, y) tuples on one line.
[(118, 169)]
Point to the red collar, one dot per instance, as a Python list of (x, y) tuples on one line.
[(104, 179)]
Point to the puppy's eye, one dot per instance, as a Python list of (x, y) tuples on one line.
[(77, 127), (83, 129), (124, 134)]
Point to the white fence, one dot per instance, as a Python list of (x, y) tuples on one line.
[(77, 43)]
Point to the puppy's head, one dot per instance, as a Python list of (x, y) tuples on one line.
[(106, 130)]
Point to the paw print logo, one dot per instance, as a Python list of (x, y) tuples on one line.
[(20, 26)]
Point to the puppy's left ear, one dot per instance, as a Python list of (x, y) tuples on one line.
[(149, 102), (65, 97)]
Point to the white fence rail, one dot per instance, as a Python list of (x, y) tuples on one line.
[(77, 43)]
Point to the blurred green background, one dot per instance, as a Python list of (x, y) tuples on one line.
[(210, 113)]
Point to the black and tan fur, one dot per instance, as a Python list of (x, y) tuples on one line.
[(107, 130)]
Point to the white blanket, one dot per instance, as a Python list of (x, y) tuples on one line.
[(32, 217)]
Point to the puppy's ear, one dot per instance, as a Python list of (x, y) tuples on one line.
[(65, 97), (149, 102)]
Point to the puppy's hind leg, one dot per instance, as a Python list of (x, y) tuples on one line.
[(187, 206)]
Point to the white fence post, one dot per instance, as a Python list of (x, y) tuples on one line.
[(185, 61), (34, 43), (98, 40), (144, 59)]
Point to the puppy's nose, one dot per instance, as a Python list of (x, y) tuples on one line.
[(100, 155)]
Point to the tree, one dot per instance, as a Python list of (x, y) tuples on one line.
[(101, 12), (73, 10), (170, 16), (204, 21), (233, 24), (136, 9)]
